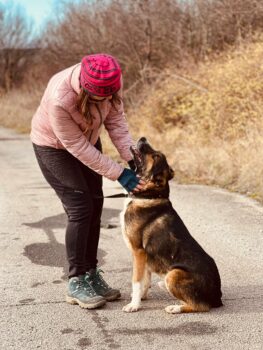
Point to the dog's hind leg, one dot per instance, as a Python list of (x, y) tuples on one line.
[(139, 264), (178, 282), (186, 308)]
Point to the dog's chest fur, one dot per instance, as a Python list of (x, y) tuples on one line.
[(131, 225), (136, 215), (122, 221)]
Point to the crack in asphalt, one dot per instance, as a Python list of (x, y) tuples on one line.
[(107, 334), (122, 300)]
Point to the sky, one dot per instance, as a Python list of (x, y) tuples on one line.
[(38, 11)]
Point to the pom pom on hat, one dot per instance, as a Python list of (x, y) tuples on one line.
[(100, 74)]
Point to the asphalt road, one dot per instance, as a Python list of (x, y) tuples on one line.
[(33, 269)]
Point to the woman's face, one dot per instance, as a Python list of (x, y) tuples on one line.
[(100, 98)]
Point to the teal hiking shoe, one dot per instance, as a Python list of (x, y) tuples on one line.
[(81, 292), (97, 282)]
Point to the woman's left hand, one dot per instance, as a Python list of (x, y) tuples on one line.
[(140, 185)]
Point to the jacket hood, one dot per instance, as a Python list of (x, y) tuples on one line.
[(74, 81)]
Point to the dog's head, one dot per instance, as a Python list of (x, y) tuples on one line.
[(152, 166)]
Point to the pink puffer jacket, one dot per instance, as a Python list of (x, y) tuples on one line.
[(57, 123)]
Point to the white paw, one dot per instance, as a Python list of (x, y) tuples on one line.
[(173, 309), (130, 308)]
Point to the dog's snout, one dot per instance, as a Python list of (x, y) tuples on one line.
[(141, 143)]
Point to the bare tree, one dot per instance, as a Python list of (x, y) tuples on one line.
[(145, 35), (141, 33), (16, 45), (216, 24)]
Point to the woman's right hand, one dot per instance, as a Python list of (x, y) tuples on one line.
[(130, 181)]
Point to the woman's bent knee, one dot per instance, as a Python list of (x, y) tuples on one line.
[(78, 204)]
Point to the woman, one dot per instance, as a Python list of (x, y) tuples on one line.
[(77, 102)]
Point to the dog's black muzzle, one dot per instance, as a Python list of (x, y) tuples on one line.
[(142, 148)]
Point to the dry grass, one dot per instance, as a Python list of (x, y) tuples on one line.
[(209, 122), (18, 107)]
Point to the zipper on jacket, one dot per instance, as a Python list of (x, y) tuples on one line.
[(91, 134), (99, 111)]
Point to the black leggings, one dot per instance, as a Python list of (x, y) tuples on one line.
[(77, 186)]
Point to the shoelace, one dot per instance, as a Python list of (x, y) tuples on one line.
[(86, 285), (80, 284), (99, 279), (89, 289)]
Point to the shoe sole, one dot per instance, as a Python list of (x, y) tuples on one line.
[(112, 297), (75, 301)]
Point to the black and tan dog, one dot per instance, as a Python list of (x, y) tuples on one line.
[(160, 242)]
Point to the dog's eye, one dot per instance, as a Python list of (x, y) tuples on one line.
[(158, 180), (156, 156)]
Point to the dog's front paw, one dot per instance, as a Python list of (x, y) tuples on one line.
[(130, 308)]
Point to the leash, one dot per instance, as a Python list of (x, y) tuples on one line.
[(117, 195), (126, 195)]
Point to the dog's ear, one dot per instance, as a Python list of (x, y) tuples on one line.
[(171, 173)]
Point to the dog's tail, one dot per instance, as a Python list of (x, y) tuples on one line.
[(217, 303)]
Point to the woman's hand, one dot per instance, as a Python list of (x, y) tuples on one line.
[(130, 181), (140, 185)]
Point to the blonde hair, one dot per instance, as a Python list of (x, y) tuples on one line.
[(84, 102)]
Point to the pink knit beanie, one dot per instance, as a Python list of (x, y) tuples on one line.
[(100, 74)]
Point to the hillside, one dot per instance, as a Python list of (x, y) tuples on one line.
[(210, 122)]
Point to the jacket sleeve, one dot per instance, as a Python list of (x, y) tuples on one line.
[(117, 127), (72, 138)]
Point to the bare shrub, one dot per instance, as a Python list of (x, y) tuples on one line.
[(17, 46), (209, 122), (193, 79), (145, 35), (216, 24), (149, 36)]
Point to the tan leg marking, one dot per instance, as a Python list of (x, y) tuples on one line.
[(146, 283), (139, 264), (176, 282)]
